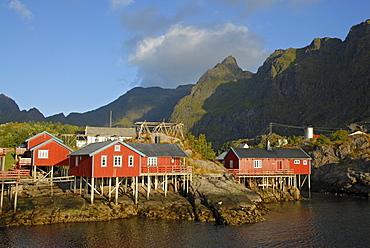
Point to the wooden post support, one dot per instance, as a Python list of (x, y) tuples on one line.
[(109, 188), (74, 184), (2, 196), (136, 189), (16, 196), (92, 190), (117, 184), (309, 186), (81, 185), (165, 185), (148, 188)]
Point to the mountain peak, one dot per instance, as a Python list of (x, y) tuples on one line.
[(230, 60)]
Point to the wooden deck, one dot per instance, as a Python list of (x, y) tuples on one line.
[(2, 151), (14, 174), (258, 172), (166, 170)]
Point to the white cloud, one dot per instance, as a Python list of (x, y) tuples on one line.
[(184, 53), (120, 3), (21, 9)]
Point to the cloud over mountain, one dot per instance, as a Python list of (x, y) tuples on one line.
[(185, 51)]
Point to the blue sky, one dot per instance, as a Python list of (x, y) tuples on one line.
[(66, 56)]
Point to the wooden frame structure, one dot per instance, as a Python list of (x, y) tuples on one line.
[(159, 127)]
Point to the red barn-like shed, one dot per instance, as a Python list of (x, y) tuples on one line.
[(260, 161), (105, 159), (50, 153)]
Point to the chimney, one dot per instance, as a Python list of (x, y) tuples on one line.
[(268, 146)]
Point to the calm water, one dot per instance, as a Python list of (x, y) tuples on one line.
[(325, 221)]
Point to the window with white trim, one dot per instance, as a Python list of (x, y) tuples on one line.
[(152, 161), (297, 161), (117, 161), (305, 162), (130, 161), (257, 163), (117, 148), (103, 160), (231, 164), (43, 154), (76, 161)]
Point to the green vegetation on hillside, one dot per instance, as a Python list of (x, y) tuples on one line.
[(14, 134)]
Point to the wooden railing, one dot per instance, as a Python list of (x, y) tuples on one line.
[(246, 172), (2, 151), (24, 161), (166, 169), (20, 151), (14, 174)]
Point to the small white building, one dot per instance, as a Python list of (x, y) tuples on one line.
[(101, 134)]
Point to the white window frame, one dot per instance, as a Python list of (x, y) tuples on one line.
[(76, 161), (257, 164), (117, 161), (305, 162), (231, 164), (297, 161), (43, 154), (152, 161), (131, 161), (103, 161), (117, 148)]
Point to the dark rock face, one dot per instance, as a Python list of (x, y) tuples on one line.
[(224, 202), (343, 167)]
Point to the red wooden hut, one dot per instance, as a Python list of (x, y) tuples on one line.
[(116, 159), (265, 164), (260, 161), (105, 159)]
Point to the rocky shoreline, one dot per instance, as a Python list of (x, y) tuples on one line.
[(216, 200)]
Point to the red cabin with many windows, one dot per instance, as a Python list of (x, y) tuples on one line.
[(260, 161), (119, 159), (105, 159), (50, 153)]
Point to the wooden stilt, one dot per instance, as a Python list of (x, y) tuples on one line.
[(109, 188), (117, 185), (80, 185), (156, 182), (126, 183), (165, 186), (74, 184), (92, 190), (136, 189), (2, 196), (309, 186), (149, 186), (16, 196)]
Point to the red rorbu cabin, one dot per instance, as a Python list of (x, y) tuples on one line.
[(43, 149), (105, 159), (261, 161)]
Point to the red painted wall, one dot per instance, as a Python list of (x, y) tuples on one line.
[(231, 156), (57, 155), (38, 140), (91, 166), (247, 164), (84, 166)]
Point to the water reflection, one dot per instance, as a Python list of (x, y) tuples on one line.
[(325, 221)]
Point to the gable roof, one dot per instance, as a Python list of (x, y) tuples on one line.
[(44, 132), (110, 131), (96, 147), (274, 153), (159, 150), (50, 140)]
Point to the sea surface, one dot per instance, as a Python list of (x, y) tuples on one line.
[(324, 221)]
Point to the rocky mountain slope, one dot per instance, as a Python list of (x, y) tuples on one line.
[(324, 84), (343, 167)]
